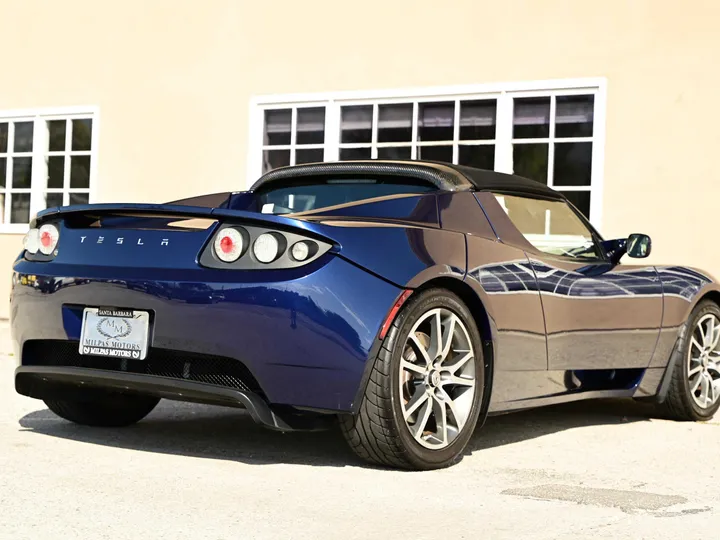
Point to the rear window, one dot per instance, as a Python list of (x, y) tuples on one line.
[(312, 194)]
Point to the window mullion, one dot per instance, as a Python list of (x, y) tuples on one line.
[(414, 130), (551, 144), (456, 132), (39, 170), (332, 131), (503, 134), (66, 162), (374, 140), (293, 134)]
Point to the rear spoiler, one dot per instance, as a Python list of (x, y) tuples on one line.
[(85, 214)]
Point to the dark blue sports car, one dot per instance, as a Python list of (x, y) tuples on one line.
[(408, 299)]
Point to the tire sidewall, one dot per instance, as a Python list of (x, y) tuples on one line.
[(703, 309), (416, 307)]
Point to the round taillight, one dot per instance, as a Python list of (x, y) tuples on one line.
[(31, 242), (228, 245), (302, 250), (48, 236), (266, 248)]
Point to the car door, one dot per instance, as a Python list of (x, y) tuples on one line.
[(598, 315)]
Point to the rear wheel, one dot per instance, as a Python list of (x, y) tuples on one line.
[(108, 410), (694, 392), (423, 398)]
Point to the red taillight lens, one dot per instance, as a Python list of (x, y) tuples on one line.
[(48, 237), (228, 245)]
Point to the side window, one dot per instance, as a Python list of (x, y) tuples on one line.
[(551, 226)]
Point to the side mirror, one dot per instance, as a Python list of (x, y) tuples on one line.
[(639, 246)]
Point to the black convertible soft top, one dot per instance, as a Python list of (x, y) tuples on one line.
[(444, 176)]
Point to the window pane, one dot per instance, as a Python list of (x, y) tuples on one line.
[(19, 207), (531, 118), (550, 226), (272, 159), (81, 134), (3, 168), (53, 199), (581, 201), (477, 119), (3, 138), (56, 171), (277, 127), (310, 126), (394, 152), (574, 116), (531, 161), (395, 123), (22, 168), (310, 155), (356, 124), (436, 121), (23, 137), (348, 154), (79, 198), (80, 172), (435, 153), (572, 164), (482, 157), (56, 132)]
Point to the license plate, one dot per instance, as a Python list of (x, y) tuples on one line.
[(117, 333)]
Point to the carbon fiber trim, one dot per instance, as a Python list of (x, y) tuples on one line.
[(180, 365), (441, 176)]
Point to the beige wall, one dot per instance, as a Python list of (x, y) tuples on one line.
[(173, 80)]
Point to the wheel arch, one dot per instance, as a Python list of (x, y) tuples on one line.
[(484, 325)]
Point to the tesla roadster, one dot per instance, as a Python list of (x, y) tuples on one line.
[(409, 300)]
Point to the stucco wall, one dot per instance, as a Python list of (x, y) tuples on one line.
[(173, 80)]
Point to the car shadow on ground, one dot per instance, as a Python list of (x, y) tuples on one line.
[(230, 434)]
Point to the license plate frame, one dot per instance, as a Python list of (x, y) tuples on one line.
[(115, 333)]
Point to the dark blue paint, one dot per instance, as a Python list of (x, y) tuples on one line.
[(306, 333)]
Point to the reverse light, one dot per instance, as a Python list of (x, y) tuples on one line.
[(48, 236), (229, 245), (300, 251), (266, 248)]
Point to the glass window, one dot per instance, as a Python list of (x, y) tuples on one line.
[(543, 134), (332, 192), (552, 143), (293, 136), (44, 161), (551, 226)]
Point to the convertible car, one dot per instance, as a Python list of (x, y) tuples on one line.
[(408, 300)]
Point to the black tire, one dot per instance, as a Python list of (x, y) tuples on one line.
[(679, 403), (379, 433), (104, 410)]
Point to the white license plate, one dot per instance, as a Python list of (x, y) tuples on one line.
[(117, 333)]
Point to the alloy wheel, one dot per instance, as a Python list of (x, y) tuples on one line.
[(437, 378), (703, 361)]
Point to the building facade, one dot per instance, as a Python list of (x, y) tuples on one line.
[(608, 102)]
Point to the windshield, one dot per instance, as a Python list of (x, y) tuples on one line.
[(306, 196)]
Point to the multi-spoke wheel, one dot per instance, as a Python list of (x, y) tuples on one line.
[(423, 397), (437, 379), (694, 392)]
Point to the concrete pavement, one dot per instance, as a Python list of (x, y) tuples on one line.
[(595, 470)]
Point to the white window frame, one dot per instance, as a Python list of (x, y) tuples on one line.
[(38, 184), (505, 93)]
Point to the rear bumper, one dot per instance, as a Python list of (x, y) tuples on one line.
[(45, 382), (305, 339)]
